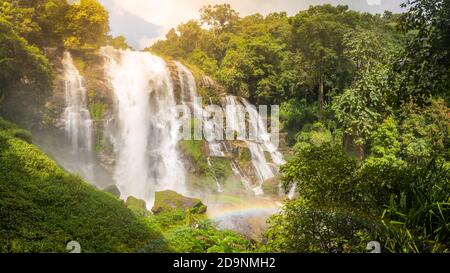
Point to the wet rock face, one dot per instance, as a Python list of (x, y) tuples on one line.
[(166, 201)]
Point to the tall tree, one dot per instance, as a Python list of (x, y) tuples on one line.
[(87, 24), (424, 67), (219, 17), (318, 34)]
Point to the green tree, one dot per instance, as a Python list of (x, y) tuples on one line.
[(20, 62), (424, 131), (119, 42), (20, 17), (384, 174), (219, 17), (318, 33), (301, 228), (423, 69), (360, 108), (323, 174), (87, 25)]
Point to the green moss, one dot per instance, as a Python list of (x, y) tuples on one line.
[(271, 187), (136, 205), (23, 135), (193, 149), (13, 131), (210, 94), (113, 190), (97, 110), (79, 63), (203, 237), (169, 200), (267, 156), (233, 185), (244, 155), (5, 125)]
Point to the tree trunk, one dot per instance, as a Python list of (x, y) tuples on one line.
[(321, 96), (346, 142), (360, 148)]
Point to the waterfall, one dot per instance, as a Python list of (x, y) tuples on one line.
[(77, 120), (257, 147), (238, 172), (189, 93), (187, 83), (263, 135), (147, 126)]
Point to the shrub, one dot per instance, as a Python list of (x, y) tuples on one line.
[(304, 229)]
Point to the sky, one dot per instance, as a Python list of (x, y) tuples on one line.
[(143, 22)]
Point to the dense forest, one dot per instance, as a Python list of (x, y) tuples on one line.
[(364, 102)]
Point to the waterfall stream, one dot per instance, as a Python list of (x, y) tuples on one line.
[(147, 125), (188, 95), (235, 123), (77, 120)]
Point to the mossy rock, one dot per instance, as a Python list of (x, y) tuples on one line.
[(113, 190), (137, 205), (195, 151), (244, 155), (166, 201)]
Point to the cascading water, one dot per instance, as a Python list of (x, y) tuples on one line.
[(187, 83), (235, 123), (263, 135), (189, 93), (257, 148), (147, 125), (77, 120)]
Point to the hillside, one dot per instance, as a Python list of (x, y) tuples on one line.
[(43, 208)]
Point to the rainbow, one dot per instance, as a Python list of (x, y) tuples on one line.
[(243, 208)]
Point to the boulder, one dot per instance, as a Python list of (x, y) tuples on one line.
[(166, 201), (137, 205), (113, 190)]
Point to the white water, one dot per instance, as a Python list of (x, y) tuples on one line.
[(263, 135), (238, 172), (187, 83), (77, 120), (219, 187), (189, 93), (147, 125), (292, 192), (257, 147)]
